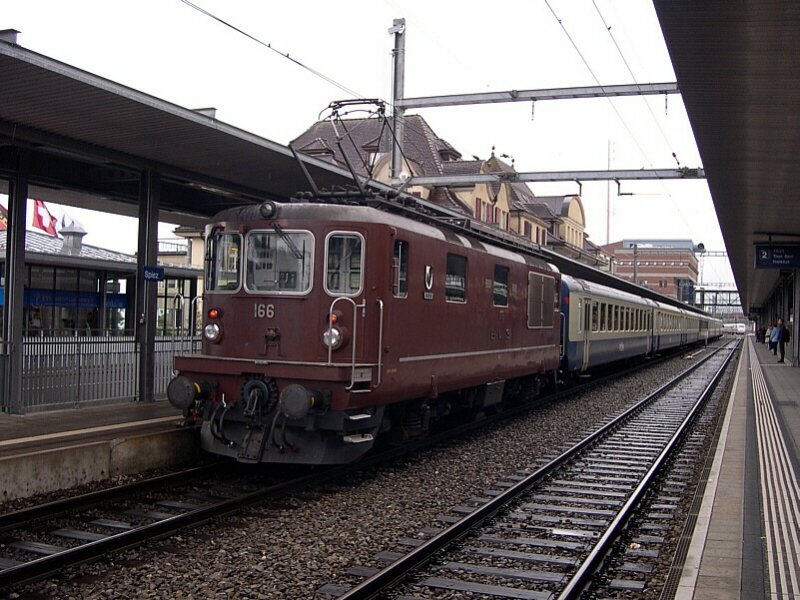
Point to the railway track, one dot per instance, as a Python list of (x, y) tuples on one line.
[(545, 535), (41, 541)]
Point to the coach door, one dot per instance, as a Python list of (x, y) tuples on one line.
[(587, 329), (344, 282)]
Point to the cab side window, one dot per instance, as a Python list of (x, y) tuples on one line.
[(500, 286), (455, 278), (400, 269)]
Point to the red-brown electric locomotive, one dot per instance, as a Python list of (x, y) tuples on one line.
[(328, 326)]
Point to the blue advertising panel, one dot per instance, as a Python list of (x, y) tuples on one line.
[(777, 256), (68, 299)]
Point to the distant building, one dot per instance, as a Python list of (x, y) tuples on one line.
[(72, 288), (669, 267), (554, 221)]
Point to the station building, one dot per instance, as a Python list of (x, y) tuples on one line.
[(74, 289), (557, 222), (669, 267)]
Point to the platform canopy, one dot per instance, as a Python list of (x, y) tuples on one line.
[(738, 68), (85, 139)]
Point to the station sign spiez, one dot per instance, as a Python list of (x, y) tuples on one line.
[(777, 256), (153, 273)]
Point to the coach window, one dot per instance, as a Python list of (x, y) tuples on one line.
[(595, 317), (455, 278), (500, 287), (279, 261), (222, 262), (344, 262), (400, 269)]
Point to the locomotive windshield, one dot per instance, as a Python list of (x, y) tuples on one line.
[(279, 261), (222, 262)]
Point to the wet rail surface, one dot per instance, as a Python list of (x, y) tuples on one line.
[(544, 535)]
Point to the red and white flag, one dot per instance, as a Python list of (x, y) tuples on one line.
[(42, 219), (3, 218)]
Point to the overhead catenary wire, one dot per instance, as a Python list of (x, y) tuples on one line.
[(269, 46), (633, 77), (597, 80), (616, 111)]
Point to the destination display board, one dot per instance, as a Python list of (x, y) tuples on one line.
[(777, 256)]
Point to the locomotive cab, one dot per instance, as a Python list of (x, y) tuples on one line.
[(280, 360)]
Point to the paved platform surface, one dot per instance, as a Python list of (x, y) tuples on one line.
[(58, 450), (745, 543), (50, 429)]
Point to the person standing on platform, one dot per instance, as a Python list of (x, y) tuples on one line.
[(783, 337), (773, 338)]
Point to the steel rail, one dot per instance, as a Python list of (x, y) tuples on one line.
[(48, 565), (399, 570), (94, 550), (56, 508), (582, 577)]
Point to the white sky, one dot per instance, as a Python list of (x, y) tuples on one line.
[(168, 49)]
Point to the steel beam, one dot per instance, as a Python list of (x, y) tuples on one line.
[(549, 176), (398, 89), (147, 255), (13, 313), (575, 93)]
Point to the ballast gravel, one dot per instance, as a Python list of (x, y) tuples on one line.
[(291, 549)]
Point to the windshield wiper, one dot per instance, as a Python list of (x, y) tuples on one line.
[(288, 241)]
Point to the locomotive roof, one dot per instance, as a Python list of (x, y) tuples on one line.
[(307, 211)]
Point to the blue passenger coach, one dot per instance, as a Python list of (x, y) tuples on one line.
[(602, 325)]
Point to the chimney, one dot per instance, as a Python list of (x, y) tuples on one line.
[(210, 112), (9, 36), (73, 239)]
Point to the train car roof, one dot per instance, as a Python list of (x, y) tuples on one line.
[(597, 289)]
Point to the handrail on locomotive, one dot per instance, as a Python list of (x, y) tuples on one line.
[(379, 362)]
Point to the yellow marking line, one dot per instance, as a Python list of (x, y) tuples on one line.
[(79, 432)]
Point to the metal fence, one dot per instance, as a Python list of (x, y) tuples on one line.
[(63, 372)]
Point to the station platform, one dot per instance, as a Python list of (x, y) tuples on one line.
[(745, 543), (46, 451)]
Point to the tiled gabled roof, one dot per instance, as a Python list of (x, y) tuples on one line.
[(40, 243), (361, 136)]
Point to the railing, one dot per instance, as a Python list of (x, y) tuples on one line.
[(62, 372)]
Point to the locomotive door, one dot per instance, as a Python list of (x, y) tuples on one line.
[(587, 328)]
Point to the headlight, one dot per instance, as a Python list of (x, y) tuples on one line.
[(332, 338), (212, 332)]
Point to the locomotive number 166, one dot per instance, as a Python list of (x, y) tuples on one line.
[(263, 311)]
